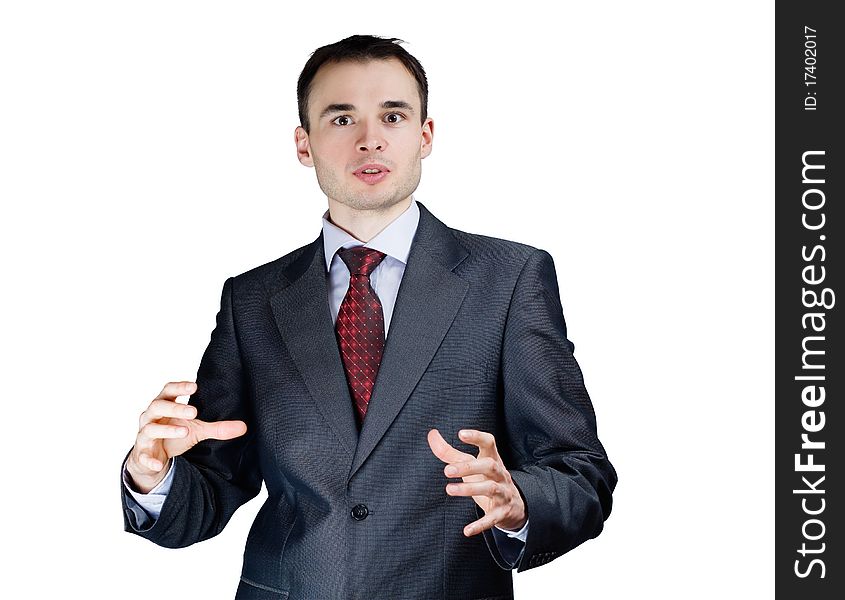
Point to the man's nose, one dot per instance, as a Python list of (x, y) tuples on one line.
[(371, 139)]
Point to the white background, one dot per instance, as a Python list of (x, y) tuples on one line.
[(146, 154)]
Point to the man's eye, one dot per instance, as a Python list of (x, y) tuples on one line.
[(347, 120), (399, 117)]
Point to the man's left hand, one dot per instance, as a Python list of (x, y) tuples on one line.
[(485, 479)]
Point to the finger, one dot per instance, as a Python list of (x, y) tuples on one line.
[(484, 523), (486, 442), (488, 488), (160, 409), (158, 431), (220, 430), (153, 464), (443, 450), (174, 389), (487, 466)]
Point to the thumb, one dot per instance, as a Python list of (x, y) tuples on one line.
[(219, 430), (445, 451)]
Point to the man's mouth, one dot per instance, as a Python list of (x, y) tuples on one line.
[(371, 173)]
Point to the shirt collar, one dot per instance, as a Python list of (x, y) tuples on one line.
[(394, 240)]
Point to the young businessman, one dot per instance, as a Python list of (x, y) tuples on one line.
[(398, 385)]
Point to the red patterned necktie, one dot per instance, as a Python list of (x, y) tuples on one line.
[(360, 326)]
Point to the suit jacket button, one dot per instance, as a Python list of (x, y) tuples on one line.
[(360, 512)]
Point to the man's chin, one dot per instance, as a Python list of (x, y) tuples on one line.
[(381, 201)]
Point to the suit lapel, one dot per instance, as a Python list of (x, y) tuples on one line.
[(428, 300), (426, 304), (302, 314)]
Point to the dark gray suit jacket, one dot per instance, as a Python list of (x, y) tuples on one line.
[(477, 340)]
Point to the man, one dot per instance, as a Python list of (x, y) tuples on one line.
[(399, 386)]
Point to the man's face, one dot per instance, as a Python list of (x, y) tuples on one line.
[(365, 114)]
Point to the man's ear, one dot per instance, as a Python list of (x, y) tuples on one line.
[(303, 147), (426, 138)]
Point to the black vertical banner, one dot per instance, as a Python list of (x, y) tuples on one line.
[(810, 367)]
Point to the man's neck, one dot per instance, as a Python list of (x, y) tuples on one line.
[(364, 225)]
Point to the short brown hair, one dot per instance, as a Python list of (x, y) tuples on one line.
[(358, 48)]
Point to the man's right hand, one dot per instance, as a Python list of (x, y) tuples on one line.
[(167, 429)]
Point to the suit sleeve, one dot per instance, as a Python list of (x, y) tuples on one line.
[(509, 544), (214, 478), (563, 475)]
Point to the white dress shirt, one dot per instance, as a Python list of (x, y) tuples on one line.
[(395, 242)]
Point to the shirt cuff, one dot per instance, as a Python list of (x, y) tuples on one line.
[(520, 534), (152, 501)]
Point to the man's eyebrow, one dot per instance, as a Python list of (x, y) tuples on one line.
[(333, 108), (343, 107), (397, 104)]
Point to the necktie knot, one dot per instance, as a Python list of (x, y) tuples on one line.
[(361, 260)]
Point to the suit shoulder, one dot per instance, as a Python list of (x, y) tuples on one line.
[(498, 251), (269, 274)]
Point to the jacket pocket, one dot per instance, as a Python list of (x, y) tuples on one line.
[(444, 378), (252, 590), (265, 549)]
